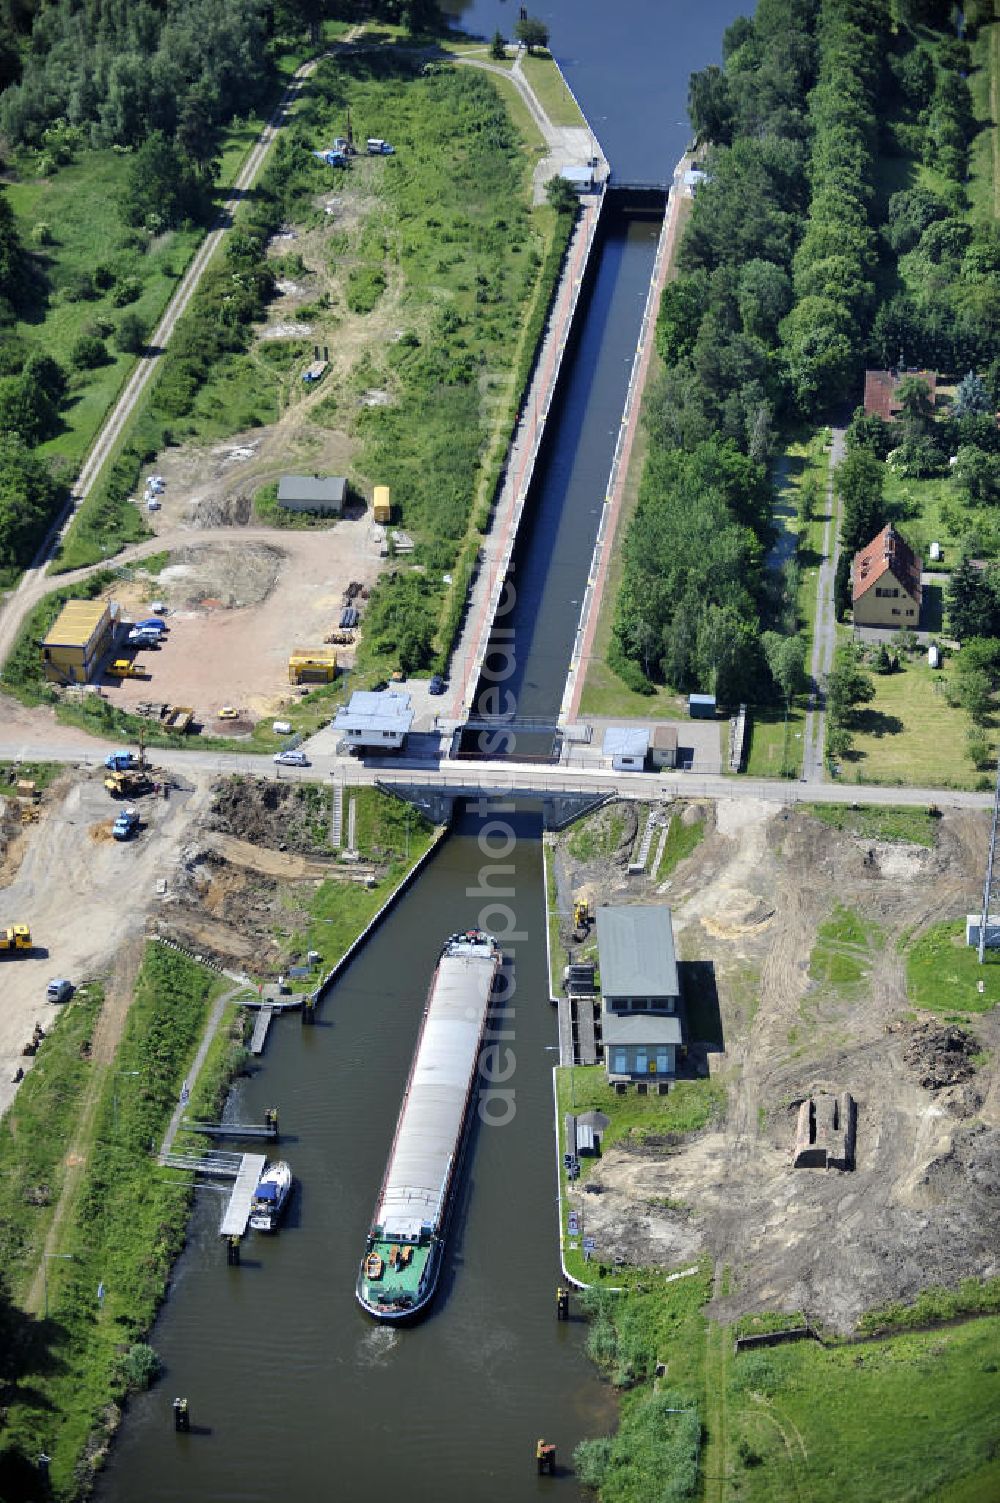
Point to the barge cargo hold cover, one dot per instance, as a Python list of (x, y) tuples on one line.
[(402, 1261)]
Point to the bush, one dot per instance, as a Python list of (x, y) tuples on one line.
[(126, 291), (365, 285), (88, 353), (130, 335), (139, 1367), (41, 233)]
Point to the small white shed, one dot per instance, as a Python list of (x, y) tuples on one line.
[(934, 656), (626, 746)]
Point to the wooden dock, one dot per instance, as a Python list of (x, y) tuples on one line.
[(261, 1024), (234, 1129), (237, 1212)]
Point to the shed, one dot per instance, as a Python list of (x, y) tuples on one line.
[(701, 706), (934, 656), (382, 504), (77, 641), (934, 553), (626, 745), (973, 924), (320, 493), (375, 720), (663, 747), (312, 665), (579, 177)]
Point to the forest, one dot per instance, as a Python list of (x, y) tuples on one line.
[(798, 269)]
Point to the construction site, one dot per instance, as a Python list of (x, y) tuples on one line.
[(798, 935)]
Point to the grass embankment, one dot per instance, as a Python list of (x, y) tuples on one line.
[(388, 831), (909, 1417), (871, 822), (558, 958), (123, 1228), (689, 1106), (545, 78), (943, 973), (683, 838)]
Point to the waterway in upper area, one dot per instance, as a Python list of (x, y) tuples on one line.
[(294, 1391)]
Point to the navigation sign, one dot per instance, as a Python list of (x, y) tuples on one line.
[(589, 1246), (573, 1223)]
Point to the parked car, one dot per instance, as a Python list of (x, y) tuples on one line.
[(291, 759), (152, 504), (155, 483), (141, 636), (379, 148), (228, 712), (59, 990), (158, 608), (436, 685), (152, 623)]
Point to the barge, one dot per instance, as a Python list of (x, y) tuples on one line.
[(405, 1248)]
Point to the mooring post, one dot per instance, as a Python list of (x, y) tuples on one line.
[(182, 1419), (562, 1303), (233, 1251), (545, 1456), (271, 1120), (309, 1009)]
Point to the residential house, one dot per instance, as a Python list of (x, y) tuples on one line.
[(882, 387), (640, 992), (886, 579)]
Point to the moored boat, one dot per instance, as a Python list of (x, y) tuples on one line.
[(402, 1259), (271, 1196)]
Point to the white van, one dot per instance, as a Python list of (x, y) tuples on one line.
[(59, 990)]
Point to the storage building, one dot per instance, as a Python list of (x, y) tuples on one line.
[(701, 706), (640, 989), (312, 665), (324, 494), (382, 504), (77, 641), (626, 746), (375, 721), (663, 747), (581, 178)]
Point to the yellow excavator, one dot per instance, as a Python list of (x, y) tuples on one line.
[(581, 918)]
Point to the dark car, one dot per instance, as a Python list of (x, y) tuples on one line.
[(436, 685)]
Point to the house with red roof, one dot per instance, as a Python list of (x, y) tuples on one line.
[(882, 391), (886, 579)]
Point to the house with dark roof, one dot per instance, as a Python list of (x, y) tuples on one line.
[(640, 992), (325, 494), (886, 582), (882, 388)]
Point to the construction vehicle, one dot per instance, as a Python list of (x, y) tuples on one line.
[(117, 761), (132, 782), (15, 939), (126, 668), (178, 717), (126, 825), (581, 915), (227, 712)]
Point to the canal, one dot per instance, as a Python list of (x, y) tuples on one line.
[(293, 1391)]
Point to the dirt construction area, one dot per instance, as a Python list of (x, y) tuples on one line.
[(238, 606), (922, 1204)]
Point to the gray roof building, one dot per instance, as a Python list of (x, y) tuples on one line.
[(325, 493), (636, 947), (642, 1028), (377, 713)]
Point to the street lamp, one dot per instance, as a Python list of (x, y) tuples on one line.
[(67, 1257)]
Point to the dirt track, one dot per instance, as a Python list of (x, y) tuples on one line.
[(922, 1204)]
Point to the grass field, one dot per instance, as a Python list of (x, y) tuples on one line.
[(910, 734), (681, 840), (841, 957), (943, 973), (873, 823), (984, 159), (776, 741)]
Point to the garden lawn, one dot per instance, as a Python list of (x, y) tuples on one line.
[(776, 741), (943, 972), (909, 734)]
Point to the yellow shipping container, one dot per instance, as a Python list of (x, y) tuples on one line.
[(382, 504), (317, 665)]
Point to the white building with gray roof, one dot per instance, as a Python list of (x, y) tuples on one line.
[(375, 721)]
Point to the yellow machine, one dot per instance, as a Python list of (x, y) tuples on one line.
[(382, 505), (312, 665), (581, 914), (130, 782), (17, 937), (125, 668)]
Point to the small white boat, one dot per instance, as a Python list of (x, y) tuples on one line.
[(270, 1197)]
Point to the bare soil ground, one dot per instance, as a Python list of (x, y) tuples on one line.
[(921, 1206), (238, 609)]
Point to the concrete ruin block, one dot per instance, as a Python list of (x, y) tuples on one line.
[(825, 1132)]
